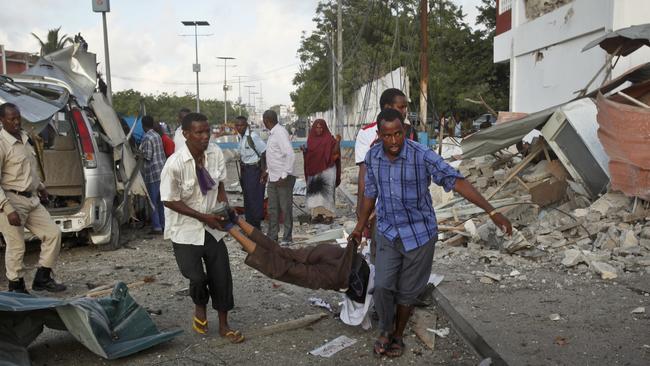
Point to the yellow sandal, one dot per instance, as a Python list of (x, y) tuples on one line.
[(200, 326), (234, 336)]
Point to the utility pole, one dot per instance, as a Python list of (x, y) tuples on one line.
[(196, 67), (424, 63), (239, 86), (225, 86), (339, 66), (261, 97), (333, 75)]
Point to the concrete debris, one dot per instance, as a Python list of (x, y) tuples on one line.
[(628, 239), (329, 349), (606, 271), (572, 257), (516, 243), (492, 276), (554, 317)]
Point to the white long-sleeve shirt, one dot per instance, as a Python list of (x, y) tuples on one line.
[(279, 154)]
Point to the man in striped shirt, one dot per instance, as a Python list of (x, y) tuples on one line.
[(398, 175)]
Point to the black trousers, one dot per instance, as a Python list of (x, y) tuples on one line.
[(216, 281), (253, 194)]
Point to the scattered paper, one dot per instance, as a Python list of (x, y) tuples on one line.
[(639, 310), (332, 347), (442, 332), (317, 301), (435, 279)]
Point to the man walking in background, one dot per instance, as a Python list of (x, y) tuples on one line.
[(20, 207), (252, 152), (179, 139), (154, 160), (279, 161)]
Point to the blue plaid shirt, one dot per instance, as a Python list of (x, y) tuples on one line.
[(404, 208), (154, 156)]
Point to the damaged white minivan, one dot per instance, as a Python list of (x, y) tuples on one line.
[(88, 167)]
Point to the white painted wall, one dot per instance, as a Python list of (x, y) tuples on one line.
[(538, 83)]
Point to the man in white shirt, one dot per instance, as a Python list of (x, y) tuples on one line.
[(279, 162), (191, 187), (252, 163), (179, 139)]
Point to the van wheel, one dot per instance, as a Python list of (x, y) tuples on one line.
[(114, 243)]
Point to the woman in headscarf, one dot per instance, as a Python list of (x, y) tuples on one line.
[(322, 157)]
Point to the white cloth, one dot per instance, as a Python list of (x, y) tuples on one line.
[(354, 313), (179, 139), (279, 154), (365, 138), (178, 182)]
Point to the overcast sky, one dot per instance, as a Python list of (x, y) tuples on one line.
[(148, 52)]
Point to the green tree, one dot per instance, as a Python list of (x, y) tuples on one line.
[(165, 106), (379, 37), (53, 42)]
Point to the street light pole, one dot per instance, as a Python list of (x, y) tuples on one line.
[(103, 7), (239, 85), (225, 86), (196, 67)]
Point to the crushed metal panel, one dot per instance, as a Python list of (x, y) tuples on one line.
[(73, 65), (504, 135), (624, 131), (628, 39), (121, 149), (572, 134), (111, 327), (35, 110)]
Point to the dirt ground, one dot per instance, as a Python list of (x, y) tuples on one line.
[(259, 302), (594, 323)]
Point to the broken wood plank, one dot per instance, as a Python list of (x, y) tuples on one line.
[(455, 241), (422, 320), (471, 209), (109, 291), (277, 328), (517, 169)]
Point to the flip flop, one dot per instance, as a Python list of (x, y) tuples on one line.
[(396, 348), (234, 336), (379, 349), (200, 326)]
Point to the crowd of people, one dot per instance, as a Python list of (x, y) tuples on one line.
[(185, 178)]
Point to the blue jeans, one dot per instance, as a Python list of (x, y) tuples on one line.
[(158, 212)]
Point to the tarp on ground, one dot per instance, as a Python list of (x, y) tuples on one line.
[(111, 327)]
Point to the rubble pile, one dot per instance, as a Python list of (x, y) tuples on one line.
[(554, 220)]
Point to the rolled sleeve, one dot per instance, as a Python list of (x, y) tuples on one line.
[(221, 165), (170, 184), (260, 146), (441, 173), (370, 189)]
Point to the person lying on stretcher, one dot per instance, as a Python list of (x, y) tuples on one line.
[(324, 266)]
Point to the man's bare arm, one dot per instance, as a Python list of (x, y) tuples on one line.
[(468, 191), (182, 208), (361, 186)]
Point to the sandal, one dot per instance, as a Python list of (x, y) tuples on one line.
[(200, 326), (396, 348), (234, 336), (380, 348)]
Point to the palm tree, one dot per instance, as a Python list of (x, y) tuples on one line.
[(53, 41)]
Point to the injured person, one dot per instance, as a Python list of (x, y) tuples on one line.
[(324, 266)]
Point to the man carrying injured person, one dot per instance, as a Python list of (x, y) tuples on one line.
[(398, 175), (324, 266)]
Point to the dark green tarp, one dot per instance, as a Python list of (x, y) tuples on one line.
[(111, 327)]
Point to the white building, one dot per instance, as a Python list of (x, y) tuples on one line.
[(543, 40)]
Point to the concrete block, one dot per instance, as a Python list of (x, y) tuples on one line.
[(572, 257), (606, 271)]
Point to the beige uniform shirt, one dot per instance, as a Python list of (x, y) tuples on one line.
[(18, 167), (178, 182)]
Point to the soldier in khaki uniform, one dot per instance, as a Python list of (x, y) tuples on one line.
[(20, 207)]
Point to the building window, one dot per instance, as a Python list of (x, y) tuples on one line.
[(504, 5)]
